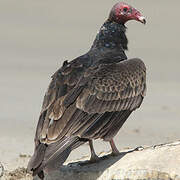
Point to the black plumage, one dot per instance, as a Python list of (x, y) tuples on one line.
[(90, 97)]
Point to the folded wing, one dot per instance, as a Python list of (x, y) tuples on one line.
[(105, 92)]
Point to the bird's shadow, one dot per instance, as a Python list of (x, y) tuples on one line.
[(103, 162), (106, 160), (94, 168)]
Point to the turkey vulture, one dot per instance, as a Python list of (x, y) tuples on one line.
[(91, 96)]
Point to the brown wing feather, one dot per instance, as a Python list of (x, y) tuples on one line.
[(103, 88), (113, 87), (63, 80)]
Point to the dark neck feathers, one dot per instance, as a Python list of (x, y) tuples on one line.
[(111, 36)]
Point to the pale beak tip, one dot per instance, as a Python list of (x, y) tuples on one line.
[(142, 20)]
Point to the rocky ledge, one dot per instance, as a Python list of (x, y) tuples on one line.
[(156, 162)]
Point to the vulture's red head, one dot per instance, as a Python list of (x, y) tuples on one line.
[(122, 12)]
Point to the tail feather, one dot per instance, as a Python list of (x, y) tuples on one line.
[(50, 157), (37, 157), (59, 151)]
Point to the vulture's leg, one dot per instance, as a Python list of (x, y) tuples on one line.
[(115, 151), (94, 157)]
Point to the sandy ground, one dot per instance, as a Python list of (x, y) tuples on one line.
[(36, 36)]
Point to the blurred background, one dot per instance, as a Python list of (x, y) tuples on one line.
[(37, 36)]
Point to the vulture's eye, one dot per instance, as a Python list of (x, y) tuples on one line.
[(125, 9)]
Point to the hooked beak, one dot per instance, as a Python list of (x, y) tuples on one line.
[(136, 15), (141, 19)]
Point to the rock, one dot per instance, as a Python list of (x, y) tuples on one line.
[(1, 170), (156, 162), (160, 162), (17, 174)]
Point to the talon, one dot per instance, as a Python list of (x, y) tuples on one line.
[(94, 159)]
